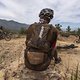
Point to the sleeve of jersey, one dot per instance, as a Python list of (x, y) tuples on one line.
[(55, 35), (28, 34)]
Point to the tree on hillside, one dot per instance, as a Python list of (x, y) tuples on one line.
[(58, 26), (78, 31), (74, 32), (68, 29), (22, 30)]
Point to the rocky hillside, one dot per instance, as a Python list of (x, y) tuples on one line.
[(13, 25)]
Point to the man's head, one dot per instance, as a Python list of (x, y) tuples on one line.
[(46, 15)]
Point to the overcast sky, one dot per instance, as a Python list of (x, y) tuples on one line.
[(26, 11)]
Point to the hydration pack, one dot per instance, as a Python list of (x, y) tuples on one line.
[(38, 48)]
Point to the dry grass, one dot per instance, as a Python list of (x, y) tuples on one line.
[(11, 59)]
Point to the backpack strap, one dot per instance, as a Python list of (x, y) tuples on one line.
[(47, 33)]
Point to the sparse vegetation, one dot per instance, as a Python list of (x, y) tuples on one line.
[(65, 34), (22, 31), (58, 26), (78, 31), (75, 75), (68, 29)]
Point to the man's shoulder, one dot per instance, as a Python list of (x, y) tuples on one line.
[(53, 28), (35, 23)]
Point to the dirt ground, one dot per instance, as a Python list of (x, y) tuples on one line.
[(12, 62)]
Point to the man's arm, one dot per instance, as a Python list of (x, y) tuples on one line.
[(54, 40), (29, 33), (54, 37)]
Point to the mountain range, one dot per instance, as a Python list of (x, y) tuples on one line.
[(12, 25)]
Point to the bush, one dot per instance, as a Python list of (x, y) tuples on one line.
[(22, 30), (65, 34)]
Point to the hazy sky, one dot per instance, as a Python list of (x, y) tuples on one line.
[(26, 11)]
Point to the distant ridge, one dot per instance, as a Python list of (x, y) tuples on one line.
[(13, 25)]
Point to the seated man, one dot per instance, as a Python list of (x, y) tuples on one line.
[(41, 42)]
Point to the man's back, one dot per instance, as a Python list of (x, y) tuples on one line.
[(43, 46), (41, 40), (32, 27)]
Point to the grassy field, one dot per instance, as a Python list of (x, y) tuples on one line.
[(12, 62)]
